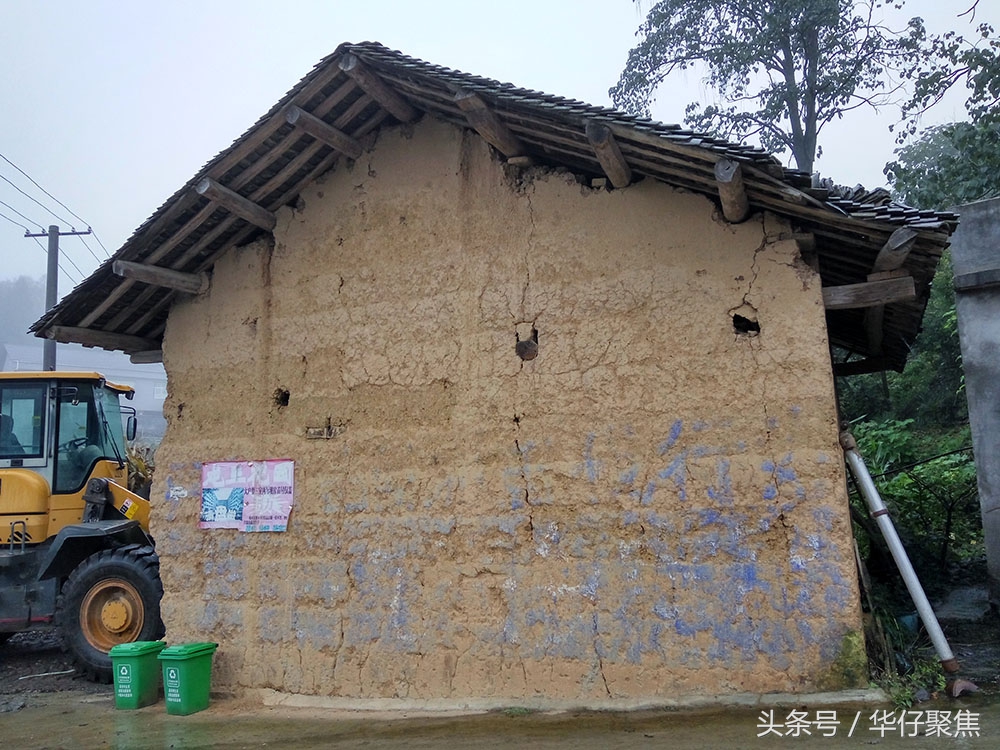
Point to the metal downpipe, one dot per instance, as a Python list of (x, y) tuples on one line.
[(880, 513)]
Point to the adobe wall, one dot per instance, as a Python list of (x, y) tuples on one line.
[(654, 506)]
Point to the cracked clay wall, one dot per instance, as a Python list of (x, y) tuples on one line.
[(653, 506)]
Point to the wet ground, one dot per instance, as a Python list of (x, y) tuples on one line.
[(43, 704), (72, 719)]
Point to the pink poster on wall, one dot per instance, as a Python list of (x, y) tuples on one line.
[(247, 495)]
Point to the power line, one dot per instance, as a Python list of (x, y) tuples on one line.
[(72, 213), (15, 223), (30, 221), (65, 272), (100, 243), (900, 469), (99, 260), (68, 259), (35, 200), (43, 190)]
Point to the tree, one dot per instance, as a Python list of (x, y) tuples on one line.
[(785, 68), (955, 59), (948, 165)]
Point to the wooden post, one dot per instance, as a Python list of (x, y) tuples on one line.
[(602, 140), (236, 203), (729, 179)]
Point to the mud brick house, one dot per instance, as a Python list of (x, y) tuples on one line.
[(556, 381)]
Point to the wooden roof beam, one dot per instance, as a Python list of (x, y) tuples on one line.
[(859, 367), (485, 122), (151, 357), (869, 293), (732, 193), (896, 249), (189, 283), (602, 140), (102, 339), (235, 203), (376, 88), (321, 131)]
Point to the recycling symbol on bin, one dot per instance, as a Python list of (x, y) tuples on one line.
[(124, 670), (172, 674)]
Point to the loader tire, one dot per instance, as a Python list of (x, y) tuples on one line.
[(112, 597)]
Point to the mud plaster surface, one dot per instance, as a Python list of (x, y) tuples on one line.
[(654, 505)]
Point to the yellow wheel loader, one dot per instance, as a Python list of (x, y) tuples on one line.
[(75, 550)]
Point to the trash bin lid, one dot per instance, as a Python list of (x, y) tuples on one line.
[(188, 650), (138, 648)]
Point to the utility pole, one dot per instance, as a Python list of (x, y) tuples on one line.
[(52, 285)]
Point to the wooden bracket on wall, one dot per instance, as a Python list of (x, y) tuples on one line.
[(235, 203), (888, 264), (189, 283), (896, 249), (732, 193), (485, 122), (869, 293), (335, 139), (376, 88), (151, 357), (602, 140)]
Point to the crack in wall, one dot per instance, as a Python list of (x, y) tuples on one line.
[(527, 251), (745, 303), (604, 678)]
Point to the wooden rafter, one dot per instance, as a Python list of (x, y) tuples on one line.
[(732, 193), (331, 136), (102, 339), (602, 140), (376, 88), (189, 283), (235, 203), (485, 122)]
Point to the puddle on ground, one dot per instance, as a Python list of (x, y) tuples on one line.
[(75, 720)]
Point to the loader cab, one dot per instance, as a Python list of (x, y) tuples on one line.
[(65, 428)]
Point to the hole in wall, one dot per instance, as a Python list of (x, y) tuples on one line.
[(745, 326), (281, 396), (528, 348)]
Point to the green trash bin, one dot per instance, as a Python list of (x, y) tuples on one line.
[(187, 676), (136, 673)]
